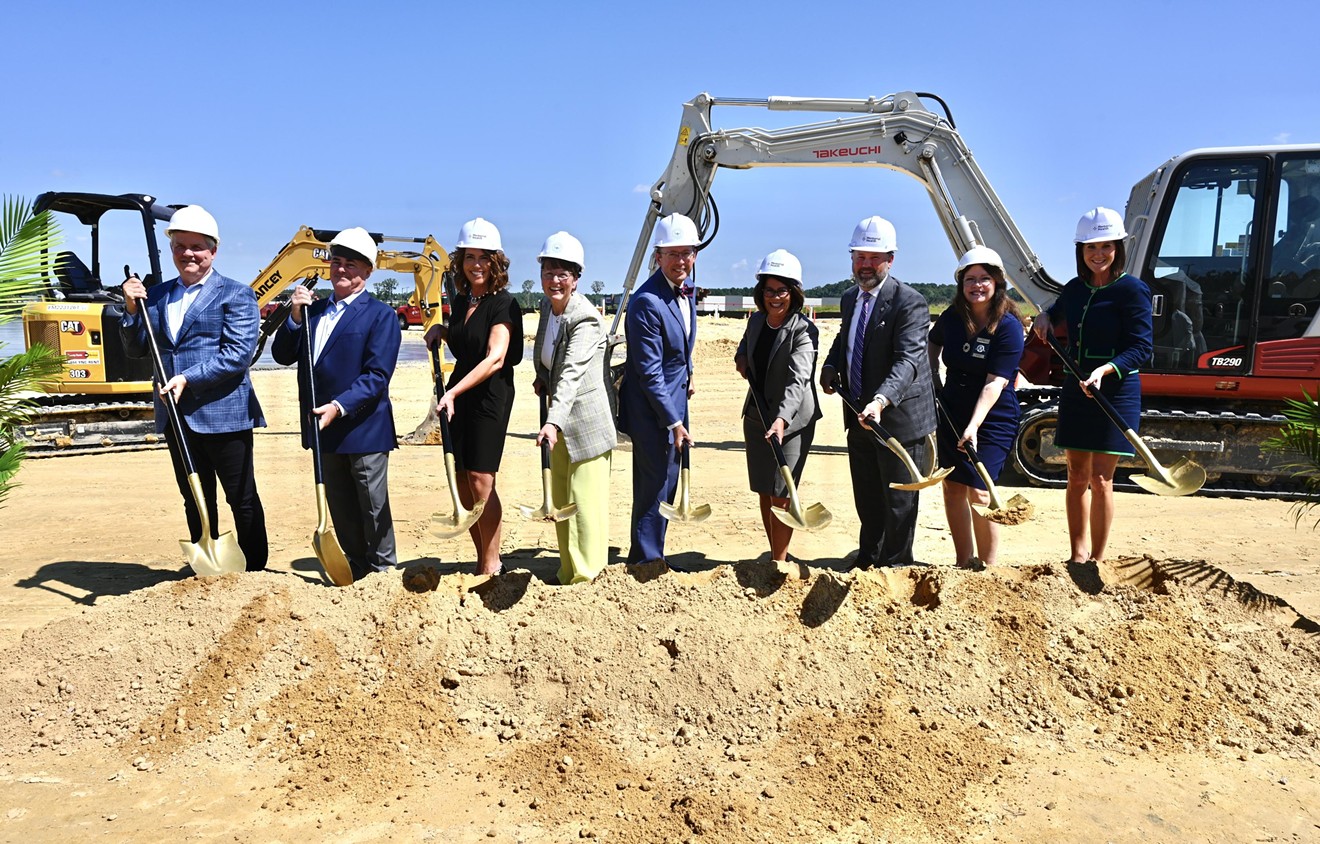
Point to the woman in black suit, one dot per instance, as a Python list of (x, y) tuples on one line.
[(777, 356)]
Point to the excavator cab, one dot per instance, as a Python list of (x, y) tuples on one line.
[(80, 316), (1227, 300)]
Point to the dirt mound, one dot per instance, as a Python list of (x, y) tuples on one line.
[(735, 703)]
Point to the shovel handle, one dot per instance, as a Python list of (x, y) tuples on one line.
[(764, 412), (545, 413), (312, 419), (439, 394), (171, 410)]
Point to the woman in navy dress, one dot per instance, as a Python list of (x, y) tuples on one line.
[(1108, 315), (485, 336), (980, 339)]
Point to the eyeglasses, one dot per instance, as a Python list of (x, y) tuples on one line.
[(556, 275), (677, 254), (181, 248), (775, 292)]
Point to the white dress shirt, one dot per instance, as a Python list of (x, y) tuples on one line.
[(180, 300)]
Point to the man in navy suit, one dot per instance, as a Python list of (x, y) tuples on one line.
[(206, 326), (880, 360), (661, 329), (355, 346)]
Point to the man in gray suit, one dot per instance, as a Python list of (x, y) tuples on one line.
[(879, 360), (206, 325)]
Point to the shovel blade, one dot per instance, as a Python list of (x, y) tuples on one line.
[(332, 558), (1015, 511), (921, 483), (212, 557), (1185, 477), (685, 512), (445, 526), (813, 517)]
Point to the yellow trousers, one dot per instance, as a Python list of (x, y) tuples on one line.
[(584, 537)]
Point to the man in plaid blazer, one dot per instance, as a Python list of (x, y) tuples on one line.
[(206, 326)]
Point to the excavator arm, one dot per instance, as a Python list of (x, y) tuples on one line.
[(896, 132)]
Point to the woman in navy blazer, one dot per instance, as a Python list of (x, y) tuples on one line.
[(1108, 314)]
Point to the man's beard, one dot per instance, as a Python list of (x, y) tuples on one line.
[(871, 283)]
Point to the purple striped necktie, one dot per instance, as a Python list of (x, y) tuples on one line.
[(859, 345)]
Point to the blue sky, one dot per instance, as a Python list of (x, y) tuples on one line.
[(410, 118)]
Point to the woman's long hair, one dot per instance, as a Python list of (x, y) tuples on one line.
[(1000, 304)]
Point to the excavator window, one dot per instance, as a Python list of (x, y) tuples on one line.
[(1292, 290), (74, 276), (1201, 273)]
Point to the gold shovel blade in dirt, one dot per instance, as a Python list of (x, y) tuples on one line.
[(814, 517), (1013, 512), (682, 510), (326, 544), (547, 512), (1182, 478), (211, 556), (445, 526)]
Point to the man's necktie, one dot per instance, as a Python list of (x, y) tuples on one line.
[(859, 345)]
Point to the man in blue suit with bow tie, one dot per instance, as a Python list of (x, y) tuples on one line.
[(206, 326), (355, 346), (661, 329)]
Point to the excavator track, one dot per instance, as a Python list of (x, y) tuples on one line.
[(83, 425), (1226, 441)]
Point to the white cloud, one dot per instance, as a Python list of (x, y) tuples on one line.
[(739, 266), (641, 189), (1282, 137)]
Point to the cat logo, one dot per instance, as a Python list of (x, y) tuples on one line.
[(72, 326)]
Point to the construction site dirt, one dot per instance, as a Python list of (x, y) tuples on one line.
[(1169, 694)]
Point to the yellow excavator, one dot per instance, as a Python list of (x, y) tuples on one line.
[(102, 399)]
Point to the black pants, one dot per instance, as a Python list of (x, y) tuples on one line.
[(227, 457), (888, 516)]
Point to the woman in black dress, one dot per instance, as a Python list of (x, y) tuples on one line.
[(1108, 314), (485, 336)]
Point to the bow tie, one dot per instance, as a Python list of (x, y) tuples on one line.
[(684, 290)]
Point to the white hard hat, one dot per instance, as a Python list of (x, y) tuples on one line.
[(781, 263), (562, 246), (874, 234), (1100, 224), (357, 240), (479, 234), (195, 219), (982, 255), (676, 230)]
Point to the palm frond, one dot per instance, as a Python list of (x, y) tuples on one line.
[(27, 248), (22, 376), (1299, 442), (10, 459)]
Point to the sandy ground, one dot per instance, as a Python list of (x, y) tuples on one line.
[(1168, 696)]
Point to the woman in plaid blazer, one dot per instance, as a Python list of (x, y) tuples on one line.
[(569, 355)]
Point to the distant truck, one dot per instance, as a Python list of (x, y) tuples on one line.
[(410, 315)]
